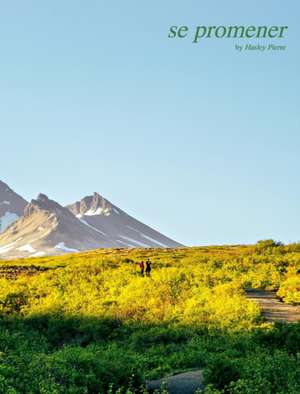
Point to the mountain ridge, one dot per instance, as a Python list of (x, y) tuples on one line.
[(48, 228), (11, 206), (100, 213)]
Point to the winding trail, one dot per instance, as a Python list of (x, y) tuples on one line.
[(182, 383), (272, 308)]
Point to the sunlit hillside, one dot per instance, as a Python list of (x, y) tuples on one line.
[(91, 323)]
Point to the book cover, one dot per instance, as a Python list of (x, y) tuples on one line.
[(149, 197)]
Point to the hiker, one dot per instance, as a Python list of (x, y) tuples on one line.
[(142, 267), (148, 267)]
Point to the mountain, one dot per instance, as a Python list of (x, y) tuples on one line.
[(110, 221), (11, 206), (47, 228)]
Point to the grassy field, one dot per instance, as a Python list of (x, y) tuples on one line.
[(89, 323)]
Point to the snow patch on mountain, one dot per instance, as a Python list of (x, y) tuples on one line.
[(127, 245), (147, 237), (62, 246), (7, 248), (98, 211), (5, 202), (7, 220), (133, 229), (153, 240), (27, 248), (38, 254), (90, 226), (134, 241)]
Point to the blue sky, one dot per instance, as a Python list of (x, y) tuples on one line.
[(198, 140)]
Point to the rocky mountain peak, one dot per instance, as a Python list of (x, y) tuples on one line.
[(42, 197), (44, 204), (91, 206)]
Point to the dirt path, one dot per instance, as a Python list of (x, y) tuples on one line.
[(182, 383), (272, 308)]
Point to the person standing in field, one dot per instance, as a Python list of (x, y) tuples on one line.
[(148, 267), (142, 267)]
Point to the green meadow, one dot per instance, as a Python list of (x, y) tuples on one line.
[(90, 323)]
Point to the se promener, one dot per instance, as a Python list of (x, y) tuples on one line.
[(229, 32)]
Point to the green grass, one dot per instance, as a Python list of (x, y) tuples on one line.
[(81, 323)]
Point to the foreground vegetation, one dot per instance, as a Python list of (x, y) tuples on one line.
[(89, 323)]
